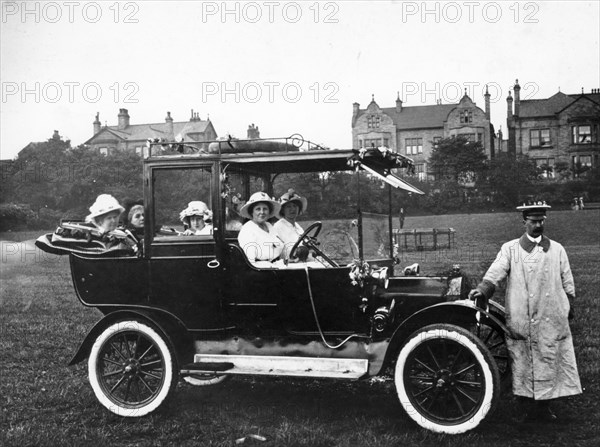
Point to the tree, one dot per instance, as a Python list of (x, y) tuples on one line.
[(458, 159), (510, 177)]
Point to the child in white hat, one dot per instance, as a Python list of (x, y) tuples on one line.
[(197, 219)]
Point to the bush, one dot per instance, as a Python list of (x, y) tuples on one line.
[(14, 216)]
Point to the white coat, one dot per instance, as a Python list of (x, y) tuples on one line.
[(537, 307)]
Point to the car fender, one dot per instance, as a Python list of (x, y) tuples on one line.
[(460, 313), (171, 328)]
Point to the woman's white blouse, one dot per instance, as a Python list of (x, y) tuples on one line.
[(289, 233), (257, 244)]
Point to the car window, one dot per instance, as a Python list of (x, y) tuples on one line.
[(174, 189)]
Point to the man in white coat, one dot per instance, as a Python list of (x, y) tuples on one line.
[(539, 299)]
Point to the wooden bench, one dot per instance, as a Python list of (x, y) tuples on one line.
[(418, 233)]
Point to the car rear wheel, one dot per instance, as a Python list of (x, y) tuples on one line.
[(446, 379), (132, 369)]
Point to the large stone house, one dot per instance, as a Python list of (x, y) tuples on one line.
[(133, 137), (559, 128), (413, 131)]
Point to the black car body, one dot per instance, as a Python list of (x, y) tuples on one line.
[(195, 307)]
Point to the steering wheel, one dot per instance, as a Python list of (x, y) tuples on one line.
[(308, 238)]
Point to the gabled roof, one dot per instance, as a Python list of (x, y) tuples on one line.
[(141, 132), (420, 117), (531, 108)]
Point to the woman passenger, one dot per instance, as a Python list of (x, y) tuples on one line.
[(104, 213), (288, 230), (258, 238), (133, 218)]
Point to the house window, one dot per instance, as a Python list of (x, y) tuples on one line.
[(414, 146), (545, 167), (103, 151), (139, 150), (466, 117), (373, 142), (539, 137), (581, 134), (469, 136), (373, 121), (436, 141), (420, 171), (585, 161), (580, 164), (386, 142)]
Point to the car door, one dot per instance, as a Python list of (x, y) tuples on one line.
[(184, 272)]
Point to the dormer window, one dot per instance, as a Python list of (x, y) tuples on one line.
[(373, 121), (466, 117)]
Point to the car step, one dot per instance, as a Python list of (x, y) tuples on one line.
[(284, 366), (208, 366)]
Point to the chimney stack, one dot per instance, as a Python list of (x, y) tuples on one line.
[(355, 107), (169, 121), (487, 103), (517, 89), (123, 119), (253, 132), (97, 123), (398, 104)]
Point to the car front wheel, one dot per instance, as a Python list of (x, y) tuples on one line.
[(446, 379), (131, 369)]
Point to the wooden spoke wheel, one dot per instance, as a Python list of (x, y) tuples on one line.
[(447, 380), (131, 369)]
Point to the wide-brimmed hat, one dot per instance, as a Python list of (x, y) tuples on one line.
[(535, 209), (196, 208), (104, 204), (291, 196), (260, 197)]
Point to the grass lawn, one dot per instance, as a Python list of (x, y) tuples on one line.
[(46, 403)]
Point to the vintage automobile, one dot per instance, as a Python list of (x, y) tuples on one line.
[(195, 308)]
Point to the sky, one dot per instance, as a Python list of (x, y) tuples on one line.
[(287, 67)]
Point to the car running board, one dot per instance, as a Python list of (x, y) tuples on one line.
[(281, 366)]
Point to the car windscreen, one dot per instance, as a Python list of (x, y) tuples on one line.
[(332, 198)]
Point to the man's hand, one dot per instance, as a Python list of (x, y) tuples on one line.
[(480, 300)]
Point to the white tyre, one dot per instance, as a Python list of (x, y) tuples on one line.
[(446, 379), (131, 369)]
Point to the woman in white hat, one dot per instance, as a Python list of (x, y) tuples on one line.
[(104, 213), (258, 238), (197, 219), (288, 230)]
